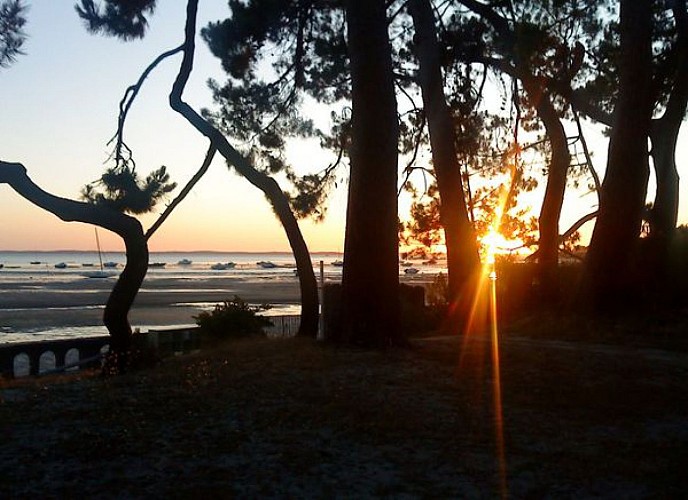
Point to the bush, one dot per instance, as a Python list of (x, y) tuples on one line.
[(233, 318)]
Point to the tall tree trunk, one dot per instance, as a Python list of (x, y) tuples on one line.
[(463, 261), (370, 280), (123, 294), (665, 210), (607, 274), (128, 228), (548, 248), (272, 191), (664, 136)]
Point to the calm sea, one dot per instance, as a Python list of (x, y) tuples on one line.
[(78, 263), (34, 286)]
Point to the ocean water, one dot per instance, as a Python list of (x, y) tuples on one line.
[(33, 291), (42, 264)]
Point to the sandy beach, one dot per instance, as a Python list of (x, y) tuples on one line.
[(35, 303), (161, 301)]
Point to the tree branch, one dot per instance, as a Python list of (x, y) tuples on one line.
[(128, 99), (189, 186)]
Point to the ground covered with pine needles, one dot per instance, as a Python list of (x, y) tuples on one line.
[(295, 418)]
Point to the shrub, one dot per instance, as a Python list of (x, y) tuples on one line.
[(233, 318)]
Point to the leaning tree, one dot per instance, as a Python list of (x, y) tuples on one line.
[(128, 20)]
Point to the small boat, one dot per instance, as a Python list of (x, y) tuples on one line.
[(99, 274), (405, 263), (222, 266), (338, 263), (61, 265), (266, 264), (87, 264), (184, 262), (157, 264), (411, 270), (35, 262)]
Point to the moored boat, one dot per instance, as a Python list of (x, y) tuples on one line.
[(99, 274), (222, 266)]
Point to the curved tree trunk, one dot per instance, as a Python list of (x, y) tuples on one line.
[(463, 260), (279, 201), (606, 277), (128, 228), (548, 247), (664, 137), (370, 280)]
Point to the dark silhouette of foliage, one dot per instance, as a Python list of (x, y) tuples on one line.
[(121, 298), (121, 189), (233, 318), (608, 274), (125, 19), (303, 43), (12, 36)]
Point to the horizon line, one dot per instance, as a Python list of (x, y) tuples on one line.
[(172, 251)]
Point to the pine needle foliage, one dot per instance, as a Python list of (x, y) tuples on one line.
[(12, 35), (121, 189), (124, 19)]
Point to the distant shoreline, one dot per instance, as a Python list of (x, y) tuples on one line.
[(241, 252)]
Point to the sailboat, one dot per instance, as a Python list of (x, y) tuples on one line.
[(99, 273)]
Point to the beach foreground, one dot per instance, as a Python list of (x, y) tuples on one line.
[(294, 418), (34, 310)]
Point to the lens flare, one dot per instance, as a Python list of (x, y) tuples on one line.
[(484, 310)]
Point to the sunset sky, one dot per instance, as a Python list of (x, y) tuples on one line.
[(58, 109)]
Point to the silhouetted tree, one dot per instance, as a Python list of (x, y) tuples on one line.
[(600, 92), (128, 228), (463, 261), (12, 36), (277, 198), (527, 40), (607, 267)]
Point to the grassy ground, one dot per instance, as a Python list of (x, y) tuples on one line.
[(291, 418)]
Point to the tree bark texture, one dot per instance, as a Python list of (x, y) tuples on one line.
[(272, 191), (128, 228), (463, 260), (370, 280), (607, 281)]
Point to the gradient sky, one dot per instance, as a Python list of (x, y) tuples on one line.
[(58, 109)]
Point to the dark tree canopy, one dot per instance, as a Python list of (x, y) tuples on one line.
[(125, 19), (12, 36), (277, 54), (121, 189)]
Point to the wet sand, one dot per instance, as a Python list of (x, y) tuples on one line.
[(161, 300), (34, 304)]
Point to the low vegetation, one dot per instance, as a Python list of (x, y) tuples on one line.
[(233, 318)]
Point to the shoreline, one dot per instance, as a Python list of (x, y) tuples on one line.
[(30, 309)]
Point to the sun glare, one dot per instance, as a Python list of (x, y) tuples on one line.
[(483, 319)]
